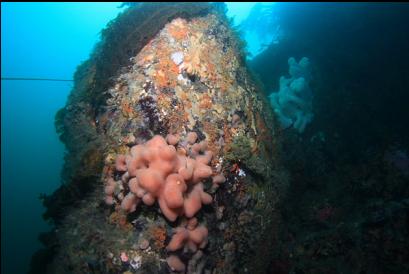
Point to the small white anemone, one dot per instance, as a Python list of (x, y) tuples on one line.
[(177, 57), (136, 262), (241, 173)]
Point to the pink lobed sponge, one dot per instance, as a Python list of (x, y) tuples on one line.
[(175, 263), (189, 235), (158, 171), (171, 172)]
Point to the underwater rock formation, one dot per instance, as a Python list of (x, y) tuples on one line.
[(172, 163), (293, 102)]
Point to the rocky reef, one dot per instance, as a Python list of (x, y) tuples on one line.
[(172, 155)]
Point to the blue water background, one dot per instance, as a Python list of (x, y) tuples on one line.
[(46, 40)]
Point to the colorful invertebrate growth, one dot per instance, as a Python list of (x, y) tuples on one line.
[(183, 147)]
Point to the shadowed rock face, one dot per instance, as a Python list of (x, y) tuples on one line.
[(347, 209), (188, 76)]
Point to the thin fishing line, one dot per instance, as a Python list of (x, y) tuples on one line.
[(35, 79)]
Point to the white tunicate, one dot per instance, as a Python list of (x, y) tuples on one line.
[(177, 57), (136, 262)]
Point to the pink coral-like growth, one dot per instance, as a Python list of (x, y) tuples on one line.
[(175, 263), (171, 172), (158, 171), (189, 235)]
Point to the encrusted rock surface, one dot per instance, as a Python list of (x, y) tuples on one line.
[(189, 77)]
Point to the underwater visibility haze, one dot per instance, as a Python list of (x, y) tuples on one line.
[(205, 138)]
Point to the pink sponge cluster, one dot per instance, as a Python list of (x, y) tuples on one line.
[(166, 171), (171, 172), (190, 236)]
